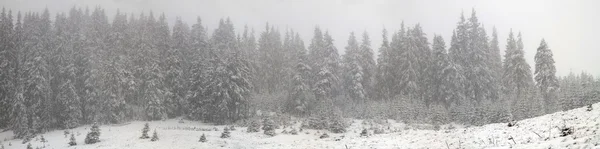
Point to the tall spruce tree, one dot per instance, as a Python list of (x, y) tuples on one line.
[(383, 75), (545, 76), (327, 81), (180, 44), (367, 62), (299, 95), (228, 86), (67, 98), (479, 72), (114, 60), (445, 75), (517, 79), (495, 60), (272, 60), (7, 63), (197, 58), (354, 74)]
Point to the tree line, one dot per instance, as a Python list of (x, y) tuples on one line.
[(82, 68)]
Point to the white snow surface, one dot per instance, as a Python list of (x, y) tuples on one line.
[(539, 132)]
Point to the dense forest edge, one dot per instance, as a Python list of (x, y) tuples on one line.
[(82, 68)]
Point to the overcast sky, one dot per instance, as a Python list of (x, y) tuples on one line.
[(567, 25)]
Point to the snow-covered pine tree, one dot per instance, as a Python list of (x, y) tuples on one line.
[(94, 135), (269, 126), (299, 95), (7, 61), (95, 31), (324, 84), (228, 87), (196, 71), (327, 65), (398, 48), (288, 56), (440, 63), (226, 133), (115, 73), (445, 74), (367, 62), (170, 68), (272, 60), (517, 76), (83, 36), (458, 56), (479, 75), (336, 122), (18, 109), (20, 116), (254, 126), (154, 136), (545, 76), (67, 100), (34, 72), (383, 74), (145, 131), (72, 141), (315, 50), (418, 43), (181, 45), (495, 60), (457, 50), (64, 74), (199, 40), (70, 101), (470, 51), (155, 96), (135, 65), (53, 53), (316, 58), (249, 46), (17, 103), (353, 71), (46, 46), (498, 113), (332, 59), (412, 54), (203, 138), (43, 139), (153, 91), (481, 80)]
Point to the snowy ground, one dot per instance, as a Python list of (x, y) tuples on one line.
[(540, 132)]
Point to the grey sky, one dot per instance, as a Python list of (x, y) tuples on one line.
[(567, 25)]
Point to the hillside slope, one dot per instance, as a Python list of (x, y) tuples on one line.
[(540, 132)]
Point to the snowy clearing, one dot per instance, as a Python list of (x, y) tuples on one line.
[(540, 132)]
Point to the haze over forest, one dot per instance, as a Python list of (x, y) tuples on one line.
[(570, 26)]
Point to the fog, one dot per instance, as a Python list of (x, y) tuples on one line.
[(567, 26)]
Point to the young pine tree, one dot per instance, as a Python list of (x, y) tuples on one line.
[(269, 127), (43, 140), (72, 141), (154, 136), (145, 131), (203, 138), (93, 136), (254, 126), (226, 133)]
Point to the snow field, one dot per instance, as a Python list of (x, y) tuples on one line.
[(535, 133)]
